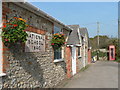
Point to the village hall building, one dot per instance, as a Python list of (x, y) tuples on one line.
[(38, 65)]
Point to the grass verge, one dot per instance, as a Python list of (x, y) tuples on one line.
[(117, 59)]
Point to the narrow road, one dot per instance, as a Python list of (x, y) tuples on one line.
[(102, 74)]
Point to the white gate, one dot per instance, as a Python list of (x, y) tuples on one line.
[(73, 60)]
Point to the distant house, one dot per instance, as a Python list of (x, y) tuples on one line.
[(79, 49), (86, 46), (85, 43)]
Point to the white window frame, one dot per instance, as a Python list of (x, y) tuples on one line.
[(62, 56), (79, 56), (62, 50)]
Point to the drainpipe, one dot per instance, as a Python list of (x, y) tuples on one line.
[(84, 53)]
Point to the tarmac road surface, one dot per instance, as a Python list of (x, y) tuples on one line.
[(102, 74)]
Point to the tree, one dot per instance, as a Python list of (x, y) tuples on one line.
[(103, 40)]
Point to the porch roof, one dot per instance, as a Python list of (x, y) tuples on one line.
[(84, 32), (73, 38)]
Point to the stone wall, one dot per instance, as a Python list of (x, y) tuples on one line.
[(79, 62), (31, 70), (81, 59), (31, 18)]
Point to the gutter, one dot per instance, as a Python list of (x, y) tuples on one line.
[(37, 11)]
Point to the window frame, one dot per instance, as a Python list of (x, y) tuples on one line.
[(62, 49), (79, 52), (59, 59), (57, 53)]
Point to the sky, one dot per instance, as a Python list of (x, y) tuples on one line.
[(86, 14)]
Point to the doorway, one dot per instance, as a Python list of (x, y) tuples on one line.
[(73, 60)]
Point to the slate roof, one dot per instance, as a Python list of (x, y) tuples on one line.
[(73, 38), (84, 31)]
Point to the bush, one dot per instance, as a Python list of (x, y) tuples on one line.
[(101, 54)]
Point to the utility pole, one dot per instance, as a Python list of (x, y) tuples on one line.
[(98, 29)]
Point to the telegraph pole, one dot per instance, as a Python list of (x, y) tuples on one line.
[(98, 29)]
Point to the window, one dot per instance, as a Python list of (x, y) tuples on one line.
[(112, 52), (79, 51), (57, 29), (57, 53)]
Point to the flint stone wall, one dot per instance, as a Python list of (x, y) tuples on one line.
[(31, 70)]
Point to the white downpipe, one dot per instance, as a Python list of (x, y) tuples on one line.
[(84, 56)]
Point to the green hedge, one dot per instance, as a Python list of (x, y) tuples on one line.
[(101, 54)]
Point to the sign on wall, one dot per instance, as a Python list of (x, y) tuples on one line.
[(35, 42)]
